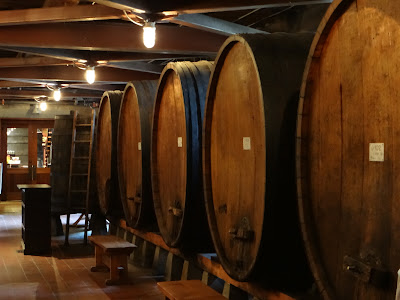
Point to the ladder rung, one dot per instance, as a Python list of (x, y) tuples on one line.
[(82, 141), (83, 125), (79, 174), (78, 191), (81, 157)]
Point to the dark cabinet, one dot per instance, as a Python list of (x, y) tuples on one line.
[(36, 228)]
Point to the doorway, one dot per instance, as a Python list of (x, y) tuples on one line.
[(25, 153)]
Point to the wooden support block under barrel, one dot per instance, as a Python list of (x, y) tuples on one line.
[(188, 290)]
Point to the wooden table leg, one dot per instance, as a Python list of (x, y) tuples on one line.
[(100, 266), (118, 270)]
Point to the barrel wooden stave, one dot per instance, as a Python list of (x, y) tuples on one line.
[(348, 204), (106, 154), (176, 155), (134, 131), (248, 159)]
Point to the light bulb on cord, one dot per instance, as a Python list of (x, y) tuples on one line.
[(149, 34), (90, 74), (43, 105), (57, 94)]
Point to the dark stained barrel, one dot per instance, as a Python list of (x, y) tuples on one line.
[(106, 154), (347, 151), (248, 159), (176, 155), (134, 136), (60, 163)]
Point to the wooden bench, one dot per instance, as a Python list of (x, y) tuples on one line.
[(112, 255), (188, 290)]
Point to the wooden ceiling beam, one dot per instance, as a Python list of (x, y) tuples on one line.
[(26, 83), (211, 24), (98, 87), (110, 37), (48, 61), (32, 61), (51, 3), (102, 56), (20, 4), (137, 66), (58, 14), (47, 93), (200, 6), (61, 54), (70, 73), (18, 84)]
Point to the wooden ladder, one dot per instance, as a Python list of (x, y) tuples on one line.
[(81, 153)]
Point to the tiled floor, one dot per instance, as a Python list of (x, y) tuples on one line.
[(63, 275)]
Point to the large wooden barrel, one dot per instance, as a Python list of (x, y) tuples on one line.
[(248, 158), (106, 154), (176, 155), (60, 164), (347, 146), (94, 203), (134, 136)]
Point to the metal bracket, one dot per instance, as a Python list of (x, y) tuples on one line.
[(243, 231), (365, 272), (177, 212), (136, 200)]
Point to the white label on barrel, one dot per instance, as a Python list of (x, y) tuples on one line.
[(376, 152), (179, 142), (246, 143), (139, 146)]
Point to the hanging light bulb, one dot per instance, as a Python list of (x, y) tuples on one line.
[(149, 34), (43, 105), (90, 74), (57, 94)]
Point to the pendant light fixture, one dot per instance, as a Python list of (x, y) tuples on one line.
[(56, 89), (149, 34), (43, 105), (57, 94), (148, 22), (90, 74)]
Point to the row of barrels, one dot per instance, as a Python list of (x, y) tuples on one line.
[(161, 150), (282, 138)]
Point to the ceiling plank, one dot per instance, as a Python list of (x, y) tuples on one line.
[(20, 4), (58, 14), (201, 6), (203, 22), (96, 86), (32, 103), (137, 66), (31, 61), (47, 93), (54, 53), (17, 84), (110, 37), (48, 61), (104, 56), (50, 3), (70, 73), (139, 6)]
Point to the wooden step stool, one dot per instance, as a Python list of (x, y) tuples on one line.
[(188, 290), (112, 255)]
